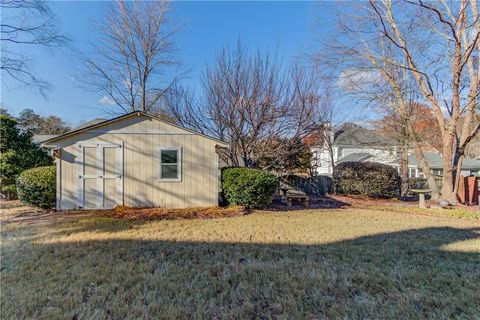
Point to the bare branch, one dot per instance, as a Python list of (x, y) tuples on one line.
[(134, 57)]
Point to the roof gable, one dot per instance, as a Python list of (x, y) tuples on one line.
[(125, 117), (356, 135)]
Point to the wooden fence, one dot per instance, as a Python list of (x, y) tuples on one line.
[(317, 186)]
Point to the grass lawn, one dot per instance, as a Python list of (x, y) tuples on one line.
[(344, 263)]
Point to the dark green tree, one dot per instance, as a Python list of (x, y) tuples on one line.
[(37, 124), (295, 157), (17, 153)]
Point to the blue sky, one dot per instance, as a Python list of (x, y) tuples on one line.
[(285, 27)]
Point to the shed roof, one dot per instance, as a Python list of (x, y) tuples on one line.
[(97, 123)]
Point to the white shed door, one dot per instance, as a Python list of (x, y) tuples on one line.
[(100, 177)]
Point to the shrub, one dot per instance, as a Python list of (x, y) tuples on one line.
[(248, 187), (367, 178), (17, 153), (36, 187)]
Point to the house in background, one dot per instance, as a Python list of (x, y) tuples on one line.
[(135, 160), (352, 142), (470, 166)]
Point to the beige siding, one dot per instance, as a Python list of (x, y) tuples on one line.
[(143, 138)]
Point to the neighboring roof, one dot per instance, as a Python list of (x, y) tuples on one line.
[(357, 157), (90, 123), (355, 135), (435, 161), (134, 113), (40, 138)]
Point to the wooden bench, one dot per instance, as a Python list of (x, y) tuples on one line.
[(290, 194), (304, 200)]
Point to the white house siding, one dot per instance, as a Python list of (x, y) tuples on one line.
[(380, 155), (322, 161), (142, 138)]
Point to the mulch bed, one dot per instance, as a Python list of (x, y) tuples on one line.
[(123, 212)]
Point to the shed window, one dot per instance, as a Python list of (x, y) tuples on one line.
[(170, 164)]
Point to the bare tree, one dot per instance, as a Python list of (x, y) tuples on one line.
[(322, 137), (134, 57), (26, 23), (437, 44), (399, 126), (253, 103), (457, 28)]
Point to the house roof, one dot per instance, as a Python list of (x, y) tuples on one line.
[(90, 123), (356, 135), (97, 123), (435, 161), (355, 157)]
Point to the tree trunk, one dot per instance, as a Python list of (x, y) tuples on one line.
[(428, 174), (404, 168), (448, 172), (332, 161), (458, 174), (423, 164)]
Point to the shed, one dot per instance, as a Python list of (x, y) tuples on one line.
[(136, 160)]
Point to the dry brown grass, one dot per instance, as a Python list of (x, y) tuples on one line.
[(345, 263), (460, 211), (14, 208)]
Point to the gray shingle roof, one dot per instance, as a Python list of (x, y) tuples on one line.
[(355, 135), (90, 123), (357, 156), (435, 161), (39, 138)]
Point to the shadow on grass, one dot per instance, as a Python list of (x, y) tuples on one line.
[(406, 274)]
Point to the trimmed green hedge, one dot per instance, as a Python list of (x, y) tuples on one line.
[(367, 178), (36, 187), (247, 187)]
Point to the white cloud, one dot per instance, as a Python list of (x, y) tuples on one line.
[(106, 101), (357, 79)]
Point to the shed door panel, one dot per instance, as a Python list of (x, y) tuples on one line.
[(100, 176), (92, 193), (91, 171), (112, 173), (90, 161)]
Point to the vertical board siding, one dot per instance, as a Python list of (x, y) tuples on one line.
[(142, 139)]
